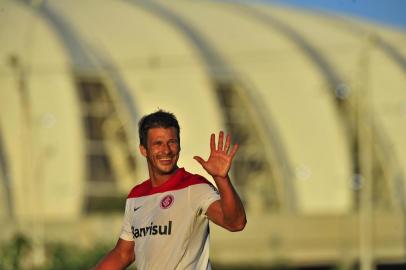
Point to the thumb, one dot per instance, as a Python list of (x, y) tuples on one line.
[(199, 159)]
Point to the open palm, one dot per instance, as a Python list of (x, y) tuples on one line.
[(220, 159)]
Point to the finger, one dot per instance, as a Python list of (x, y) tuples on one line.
[(199, 159), (220, 144), (233, 151), (212, 142), (228, 142)]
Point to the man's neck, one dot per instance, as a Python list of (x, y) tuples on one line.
[(159, 179)]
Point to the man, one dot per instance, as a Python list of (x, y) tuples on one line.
[(166, 217)]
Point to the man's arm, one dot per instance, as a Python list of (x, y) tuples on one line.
[(121, 256), (228, 212)]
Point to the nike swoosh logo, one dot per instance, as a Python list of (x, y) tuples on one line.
[(136, 208)]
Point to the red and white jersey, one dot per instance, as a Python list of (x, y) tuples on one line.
[(168, 223)]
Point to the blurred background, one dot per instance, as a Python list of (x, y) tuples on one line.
[(313, 91)]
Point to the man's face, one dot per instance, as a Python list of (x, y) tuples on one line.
[(162, 151)]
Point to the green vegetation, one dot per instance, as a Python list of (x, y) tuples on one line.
[(11, 253), (18, 252)]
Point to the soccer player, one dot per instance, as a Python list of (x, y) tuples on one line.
[(166, 217)]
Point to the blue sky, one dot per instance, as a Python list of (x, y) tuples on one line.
[(388, 12)]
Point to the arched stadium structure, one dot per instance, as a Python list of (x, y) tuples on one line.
[(317, 103)]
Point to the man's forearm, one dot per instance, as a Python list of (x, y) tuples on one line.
[(232, 207)]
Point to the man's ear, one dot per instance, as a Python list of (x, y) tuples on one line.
[(143, 150)]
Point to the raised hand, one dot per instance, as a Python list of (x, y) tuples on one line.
[(220, 159)]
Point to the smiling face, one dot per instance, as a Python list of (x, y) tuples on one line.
[(162, 152)]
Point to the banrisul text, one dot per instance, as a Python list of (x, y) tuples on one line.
[(152, 229)]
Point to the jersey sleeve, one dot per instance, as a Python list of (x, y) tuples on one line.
[(126, 233), (202, 196)]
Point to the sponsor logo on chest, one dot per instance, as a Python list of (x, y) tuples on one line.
[(152, 229)]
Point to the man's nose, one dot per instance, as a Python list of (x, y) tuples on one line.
[(166, 148)]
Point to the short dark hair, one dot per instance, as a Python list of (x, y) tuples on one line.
[(156, 119)]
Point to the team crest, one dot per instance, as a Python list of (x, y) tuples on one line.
[(167, 201)]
